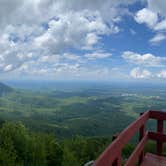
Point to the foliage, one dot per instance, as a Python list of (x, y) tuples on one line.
[(68, 128), (20, 147)]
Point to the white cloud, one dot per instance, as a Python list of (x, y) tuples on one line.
[(158, 6), (138, 73), (97, 55), (90, 40), (8, 67), (162, 74), (65, 71), (10, 58), (36, 29), (154, 19), (63, 34), (37, 37), (146, 16), (154, 16), (157, 38), (49, 59), (160, 26), (73, 57), (144, 59)]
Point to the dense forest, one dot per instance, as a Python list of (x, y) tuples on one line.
[(68, 127), (20, 147)]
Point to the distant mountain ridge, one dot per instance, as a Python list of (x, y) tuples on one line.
[(5, 89)]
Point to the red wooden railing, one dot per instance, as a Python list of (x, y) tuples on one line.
[(112, 155)]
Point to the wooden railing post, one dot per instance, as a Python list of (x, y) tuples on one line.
[(117, 161), (112, 154), (141, 135), (159, 130)]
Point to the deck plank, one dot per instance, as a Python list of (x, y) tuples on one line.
[(153, 160)]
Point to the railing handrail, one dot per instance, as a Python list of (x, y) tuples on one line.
[(113, 153), (158, 115)]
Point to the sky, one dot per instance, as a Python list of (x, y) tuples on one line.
[(83, 39)]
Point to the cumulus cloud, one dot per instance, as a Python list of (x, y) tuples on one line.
[(97, 55), (138, 73), (157, 6), (58, 37), (162, 74), (45, 32), (157, 38), (160, 26), (62, 32), (154, 16), (64, 71), (146, 16), (144, 59), (71, 56)]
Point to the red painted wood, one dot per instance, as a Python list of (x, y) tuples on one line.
[(134, 156), (117, 162), (159, 130), (157, 136), (141, 135), (112, 152), (157, 115), (112, 155), (154, 160)]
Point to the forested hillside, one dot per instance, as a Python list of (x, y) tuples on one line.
[(91, 111), (21, 147), (68, 127)]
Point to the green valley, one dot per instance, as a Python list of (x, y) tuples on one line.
[(73, 119)]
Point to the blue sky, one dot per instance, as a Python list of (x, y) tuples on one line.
[(83, 39)]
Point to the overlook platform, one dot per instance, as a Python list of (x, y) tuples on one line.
[(153, 160), (112, 155)]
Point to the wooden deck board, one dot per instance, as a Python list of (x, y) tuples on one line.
[(153, 160)]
